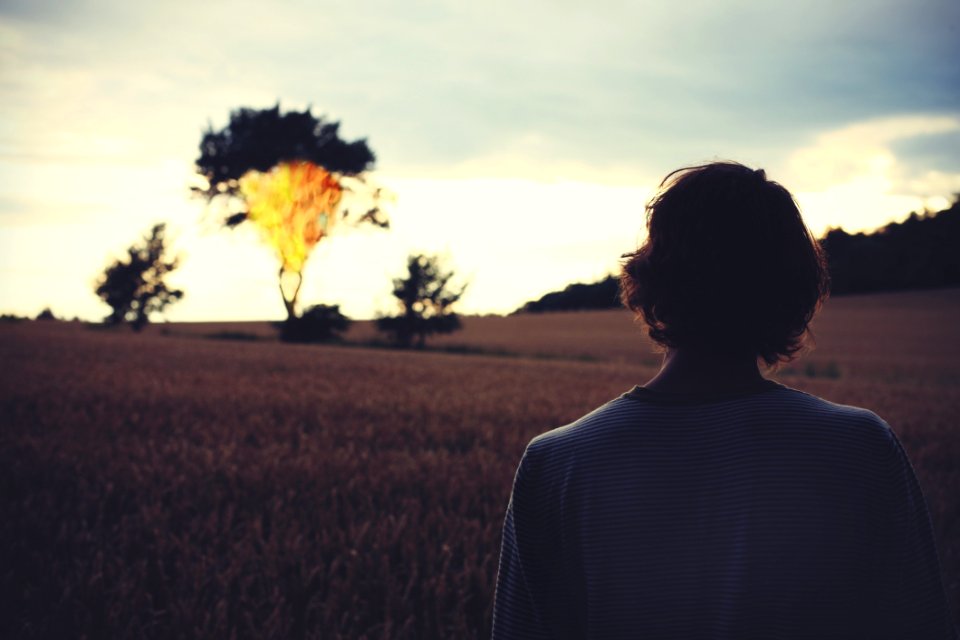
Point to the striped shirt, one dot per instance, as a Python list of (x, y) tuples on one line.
[(772, 514)]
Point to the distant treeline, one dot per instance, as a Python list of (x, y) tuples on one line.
[(922, 252), (604, 294)]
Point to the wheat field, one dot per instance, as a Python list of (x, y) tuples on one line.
[(163, 485)]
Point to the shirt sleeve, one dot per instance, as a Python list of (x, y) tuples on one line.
[(515, 613), (913, 597)]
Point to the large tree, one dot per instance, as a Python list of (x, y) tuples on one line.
[(134, 287), (291, 175), (425, 297)]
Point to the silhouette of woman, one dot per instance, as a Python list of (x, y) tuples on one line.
[(712, 502)]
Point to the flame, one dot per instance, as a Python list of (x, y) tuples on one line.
[(294, 205)]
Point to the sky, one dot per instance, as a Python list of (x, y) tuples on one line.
[(521, 139)]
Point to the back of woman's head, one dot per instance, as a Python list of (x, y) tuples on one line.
[(728, 265)]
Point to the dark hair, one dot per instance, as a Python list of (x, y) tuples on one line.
[(728, 265)]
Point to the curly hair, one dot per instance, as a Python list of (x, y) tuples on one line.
[(728, 265)]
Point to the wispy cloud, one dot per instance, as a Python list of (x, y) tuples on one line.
[(853, 176), (863, 148)]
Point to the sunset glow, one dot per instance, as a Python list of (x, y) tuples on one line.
[(525, 164)]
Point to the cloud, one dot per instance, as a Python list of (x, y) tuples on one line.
[(618, 85), (853, 177), (485, 114), (862, 148)]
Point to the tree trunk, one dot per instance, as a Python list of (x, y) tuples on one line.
[(290, 302)]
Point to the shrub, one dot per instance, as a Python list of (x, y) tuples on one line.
[(319, 323)]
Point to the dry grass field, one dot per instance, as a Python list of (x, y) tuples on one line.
[(164, 486)]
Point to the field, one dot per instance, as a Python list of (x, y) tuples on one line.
[(165, 485)]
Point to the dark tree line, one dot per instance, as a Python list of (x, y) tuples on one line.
[(604, 294), (922, 252)]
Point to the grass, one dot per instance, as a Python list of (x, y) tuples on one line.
[(163, 486), (241, 336)]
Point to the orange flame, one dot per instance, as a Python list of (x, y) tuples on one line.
[(294, 205)]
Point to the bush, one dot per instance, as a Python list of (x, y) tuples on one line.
[(319, 323)]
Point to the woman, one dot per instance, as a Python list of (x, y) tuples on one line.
[(712, 502)]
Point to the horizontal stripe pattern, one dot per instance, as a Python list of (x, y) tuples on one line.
[(770, 515)]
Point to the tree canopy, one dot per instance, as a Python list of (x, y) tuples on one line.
[(261, 139)]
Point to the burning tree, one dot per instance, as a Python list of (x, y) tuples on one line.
[(292, 176)]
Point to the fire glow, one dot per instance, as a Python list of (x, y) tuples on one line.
[(294, 205)]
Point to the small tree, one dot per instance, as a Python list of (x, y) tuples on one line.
[(425, 297), (134, 287)]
